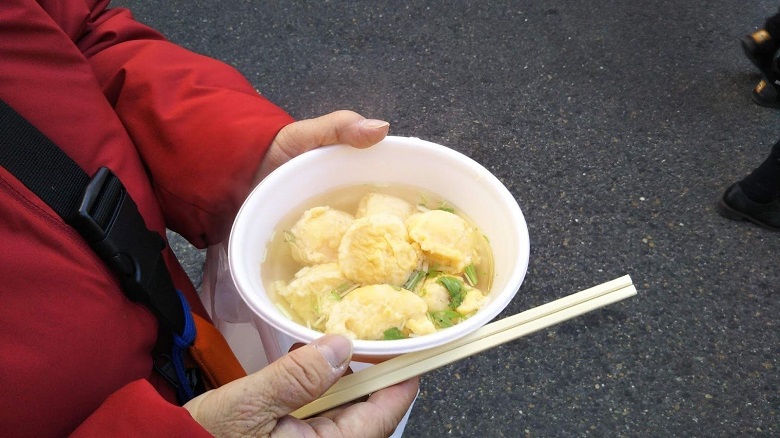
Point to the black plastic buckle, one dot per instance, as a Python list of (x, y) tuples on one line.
[(110, 222), (163, 364)]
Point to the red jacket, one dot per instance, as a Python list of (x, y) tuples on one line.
[(184, 133)]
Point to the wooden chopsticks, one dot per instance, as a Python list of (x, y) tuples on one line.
[(408, 365)]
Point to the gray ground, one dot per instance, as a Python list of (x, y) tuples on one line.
[(616, 124)]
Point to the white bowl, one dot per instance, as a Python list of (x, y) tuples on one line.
[(409, 162)]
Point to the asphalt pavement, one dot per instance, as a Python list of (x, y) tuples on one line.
[(616, 125)]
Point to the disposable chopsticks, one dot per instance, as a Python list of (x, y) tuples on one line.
[(408, 365)]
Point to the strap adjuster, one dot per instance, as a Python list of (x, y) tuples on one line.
[(109, 220)]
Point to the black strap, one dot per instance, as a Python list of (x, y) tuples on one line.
[(99, 208), (39, 164)]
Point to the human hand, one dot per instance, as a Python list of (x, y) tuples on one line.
[(339, 127), (259, 404)]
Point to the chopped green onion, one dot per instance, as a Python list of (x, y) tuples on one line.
[(452, 284), (445, 207), (471, 274), (289, 237), (414, 279), (423, 202), (343, 287), (393, 334), (444, 318), (455, 287), (342, 290)]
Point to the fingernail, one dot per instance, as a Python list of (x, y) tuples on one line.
[(336, 349), (374, 123)]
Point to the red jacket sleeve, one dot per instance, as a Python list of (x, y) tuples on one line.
[(201, 132), (137, 410), (199, 125)]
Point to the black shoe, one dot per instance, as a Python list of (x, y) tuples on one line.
[(767, 94), (737, 206), (759, 47)]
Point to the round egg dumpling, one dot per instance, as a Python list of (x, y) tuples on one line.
[(315, 237), (313, 292), (376, 250), (446, 239), (380, 203), (368, 311)]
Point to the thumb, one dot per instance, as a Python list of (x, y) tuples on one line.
[(253, 405), (338, 127)]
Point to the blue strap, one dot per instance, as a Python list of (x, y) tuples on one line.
[(180, 344)]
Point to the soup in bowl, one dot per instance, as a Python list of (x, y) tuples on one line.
[(270, 246)]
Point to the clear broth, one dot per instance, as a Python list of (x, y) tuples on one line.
[(278, 263)]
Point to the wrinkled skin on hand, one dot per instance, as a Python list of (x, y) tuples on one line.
[(259, 404)]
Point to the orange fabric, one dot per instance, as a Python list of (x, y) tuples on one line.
[(213, 354)]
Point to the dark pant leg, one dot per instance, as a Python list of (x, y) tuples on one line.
[(772, 25), (763, 184)]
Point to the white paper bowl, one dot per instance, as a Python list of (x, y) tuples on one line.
[(463, 182)]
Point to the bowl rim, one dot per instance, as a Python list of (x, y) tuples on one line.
[(390, 347)]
